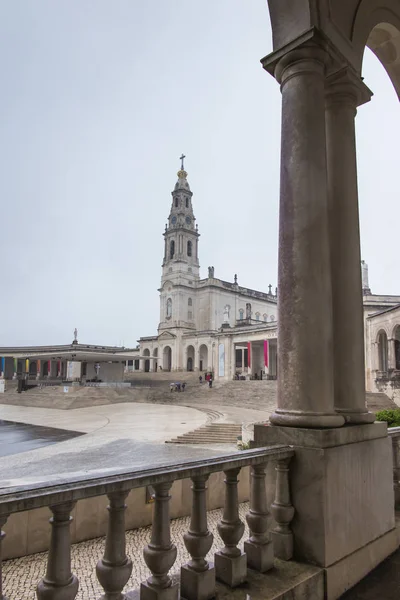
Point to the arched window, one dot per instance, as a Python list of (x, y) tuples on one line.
[(257, 316), (189, 248), (172, 249), (187, 202), (190, 302), (272, 318), (241, 313), (265, 317), (176, 202), (169, 308)]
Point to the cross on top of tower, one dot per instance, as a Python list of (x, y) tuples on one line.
[(182, 158)]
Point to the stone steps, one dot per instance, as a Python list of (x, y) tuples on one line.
[(214, 433)]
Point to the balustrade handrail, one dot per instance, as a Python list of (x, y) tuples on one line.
[(394, 431), (30, 496)]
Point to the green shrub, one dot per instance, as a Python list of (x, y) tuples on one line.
[(392, 417)]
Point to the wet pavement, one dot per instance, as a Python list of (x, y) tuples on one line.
[(21, 437)]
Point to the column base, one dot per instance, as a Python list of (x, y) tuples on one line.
[(148, 592), (260, 557), (355, 417), (48, 591), (282, 544), (293, 418), (232, 571), (341, 483), (197, 586)]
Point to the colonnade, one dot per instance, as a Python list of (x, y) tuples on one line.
[(320, 341), (12, 367)]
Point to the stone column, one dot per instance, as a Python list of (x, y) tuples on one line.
[(344, 92), (141, 365), (305, 375)]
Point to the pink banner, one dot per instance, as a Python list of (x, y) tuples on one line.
[(266, 352), (249, 354)]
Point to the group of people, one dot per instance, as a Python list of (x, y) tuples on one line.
[(177, 387)]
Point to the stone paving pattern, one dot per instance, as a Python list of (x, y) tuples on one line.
[(21, 575)]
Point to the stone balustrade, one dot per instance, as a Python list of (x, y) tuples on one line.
[(198, 577), (394, 434)]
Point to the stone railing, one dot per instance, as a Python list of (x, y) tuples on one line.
[(197, 577), (394, 434)]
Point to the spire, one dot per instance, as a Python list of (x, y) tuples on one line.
[(182, 183)]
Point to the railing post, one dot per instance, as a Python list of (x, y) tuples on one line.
[(230, 562), (282, 511), (198, 576), (114, 569), (59, 583), (3, 519), (259, 548), (160, 554), (396, 470)]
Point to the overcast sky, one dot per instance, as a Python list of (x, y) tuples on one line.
[(98, 100)]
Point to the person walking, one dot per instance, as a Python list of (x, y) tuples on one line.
[(210, 381)]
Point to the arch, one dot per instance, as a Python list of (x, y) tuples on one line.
[(146, 352), (382, 341), (396, 338), (189, 248), (169, 308), (377, 25), (190, 358), (167, 358), (32, 368), (45, 368), (203, 357), (155, 362), (171, 249)]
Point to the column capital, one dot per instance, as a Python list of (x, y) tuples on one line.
[(312, 38), (305, 59), (346, 87)]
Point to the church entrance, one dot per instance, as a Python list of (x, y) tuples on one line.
[(167, 358), (190, 358), (203, 358), (147, 361)]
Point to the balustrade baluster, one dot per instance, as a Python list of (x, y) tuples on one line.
[(59, 583), (198, 576), (3, 519), (115, 568), (259, 548), (282, 511), (396, 470), (160, 554), (230, 562)]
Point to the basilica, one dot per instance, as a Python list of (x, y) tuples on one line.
[(206, 325)]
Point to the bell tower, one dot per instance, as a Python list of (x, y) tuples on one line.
[(180, 267), (181, 260)]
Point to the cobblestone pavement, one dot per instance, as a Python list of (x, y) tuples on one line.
[(21, 575)]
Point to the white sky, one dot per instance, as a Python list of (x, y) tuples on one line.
[(98, 101)]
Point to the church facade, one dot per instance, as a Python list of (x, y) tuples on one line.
[(206, 325)]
